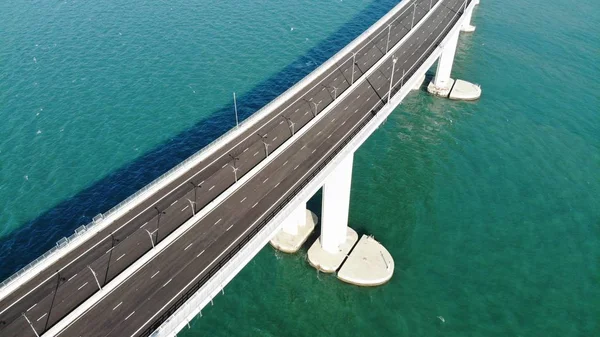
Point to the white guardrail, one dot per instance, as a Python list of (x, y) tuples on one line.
[(217, 283), (101, 221)]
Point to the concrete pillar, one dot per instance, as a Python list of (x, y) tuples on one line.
[(467, 27), (294, 220), (336, 205), (444, 67), (442, 83)]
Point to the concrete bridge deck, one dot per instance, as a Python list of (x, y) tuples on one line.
[(147, 297)]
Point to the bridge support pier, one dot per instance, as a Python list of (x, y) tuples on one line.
[(467, 27), (337, 239), (443, 85), (295, 230), (295, 220), (336, 206), (367, 263)]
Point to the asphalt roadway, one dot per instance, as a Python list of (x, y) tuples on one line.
[(137, 303)]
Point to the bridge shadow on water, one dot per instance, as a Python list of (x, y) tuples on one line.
[(37, 236)]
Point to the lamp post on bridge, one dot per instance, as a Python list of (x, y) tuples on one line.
[(316, 108), (193, 203), (31, 325), (290, 123), (95, 277), (335, 89), (151, 238), (402, 79), (353, 63), (234, 166), (159, 213), (237, 123), (387, 45), (60, 279), (413, 17), (262, 138), (392, 77), (112, 248)]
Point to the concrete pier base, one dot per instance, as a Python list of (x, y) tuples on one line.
[(291, 243), (467, 29), (465, 91), (419, 83), (442, 90), (368, 265), (329, 262), (457, 90)]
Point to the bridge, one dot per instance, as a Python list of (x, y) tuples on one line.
[(150, 265)]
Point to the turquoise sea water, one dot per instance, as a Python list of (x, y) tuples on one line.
[(491, 209)]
